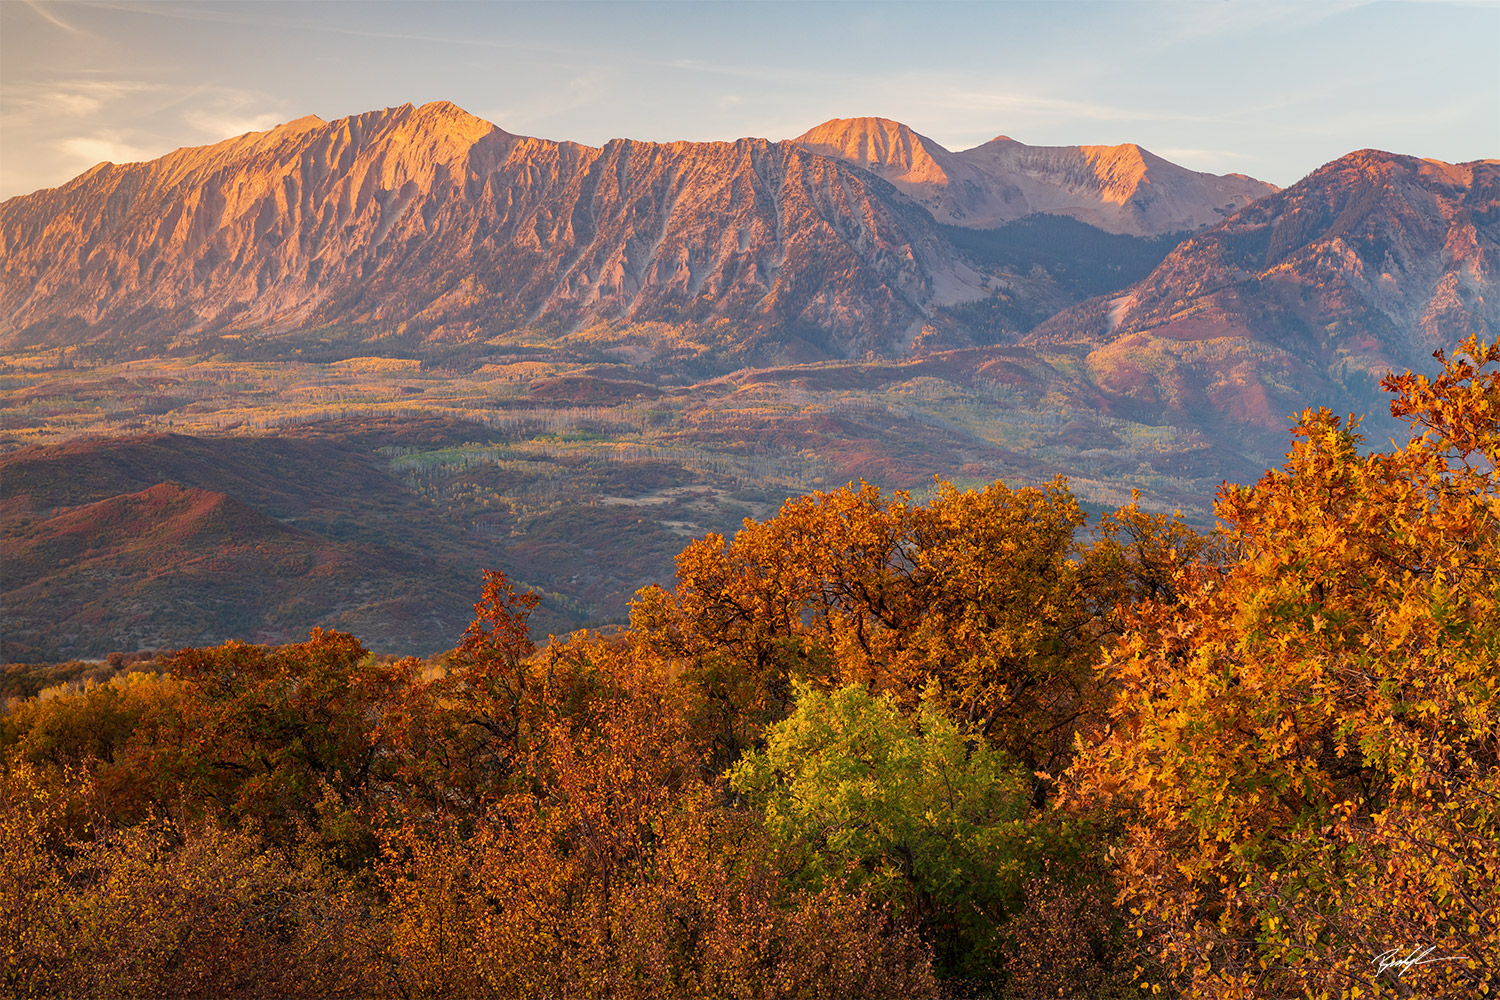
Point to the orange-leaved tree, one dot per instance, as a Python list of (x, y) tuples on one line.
[(279, 738), (1304, 746), (978, 599), (461, 737)]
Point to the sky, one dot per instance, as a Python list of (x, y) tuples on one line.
[(1264, 87)]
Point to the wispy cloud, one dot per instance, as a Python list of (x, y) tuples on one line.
[(1205, 159), (41, 10), (336, 19), (68, 98), (1196, 22), (71, 124), (111, 145), (224, 126), (71, 105), (959, 116)]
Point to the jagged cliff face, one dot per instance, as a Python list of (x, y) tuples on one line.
[(431, 224), (1120, 189)]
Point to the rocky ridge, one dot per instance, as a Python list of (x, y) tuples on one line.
[(842, 311), (1384, 252), (428, 226), (1306, 297), (1120, 189), (430, 223)]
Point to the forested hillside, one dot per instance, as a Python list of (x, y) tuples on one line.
[(866, 747)]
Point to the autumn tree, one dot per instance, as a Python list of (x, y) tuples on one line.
[(1139, 556), (1305, 743), (166, 910), (276, 737), (914, 811), (980, 598), (34, 929), (465, 736), (489, 667), (90, 732)]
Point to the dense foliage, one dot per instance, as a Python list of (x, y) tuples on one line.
[(866, 747), (1304, 742), (913, 812)]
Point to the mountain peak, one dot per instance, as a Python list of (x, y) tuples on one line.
[(428, 221), (891, 149), (1385, 255), (448, 119), (292, 128), (865, 129), (447, 112)]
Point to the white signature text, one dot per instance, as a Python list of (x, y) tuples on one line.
[(1398, 960)]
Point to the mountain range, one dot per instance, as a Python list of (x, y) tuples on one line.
[(428, 226), (857, 301)]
